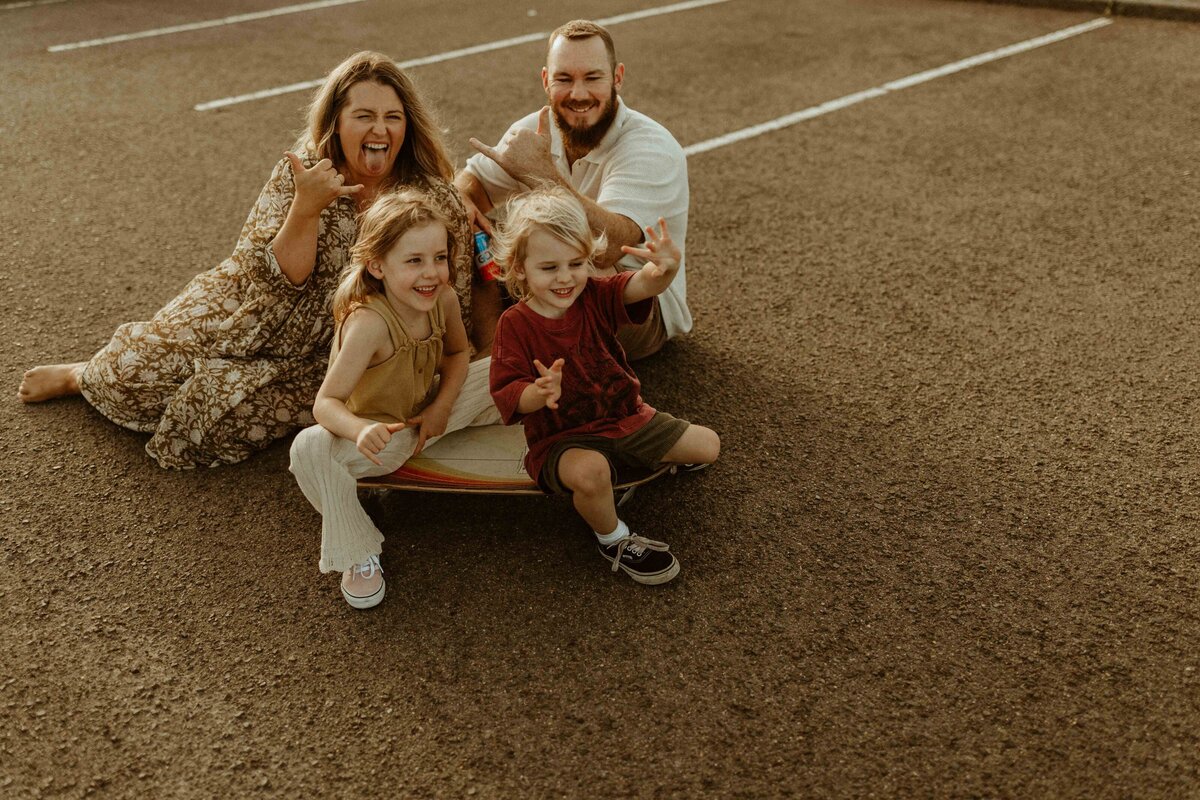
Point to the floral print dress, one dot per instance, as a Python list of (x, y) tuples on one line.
[(234, 362)]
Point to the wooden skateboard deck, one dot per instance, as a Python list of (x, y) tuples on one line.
[(488, 459)]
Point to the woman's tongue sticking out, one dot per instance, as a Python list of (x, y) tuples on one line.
[(375, 158)]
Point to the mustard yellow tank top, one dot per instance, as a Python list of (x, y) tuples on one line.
[(396, 389)]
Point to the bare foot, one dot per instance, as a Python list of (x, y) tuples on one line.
[(53, 380)]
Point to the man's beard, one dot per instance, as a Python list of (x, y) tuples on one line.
[(584, 139)]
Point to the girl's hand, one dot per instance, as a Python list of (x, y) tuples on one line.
[(549, 386), (316, 188), (375, 437), (660, 252), (429, 423)]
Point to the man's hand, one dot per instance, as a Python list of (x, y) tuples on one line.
[(549, 386), (375, 437), (525, 154), (316, 188)]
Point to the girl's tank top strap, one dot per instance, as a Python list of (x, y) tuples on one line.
[(397, 336), (400, 335)]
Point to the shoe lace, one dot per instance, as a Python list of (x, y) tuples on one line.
[(636, 545), (367, 568)]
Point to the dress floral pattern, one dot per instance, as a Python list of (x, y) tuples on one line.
[(234, 362)]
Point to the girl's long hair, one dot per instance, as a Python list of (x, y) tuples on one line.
[(391, 216), (422, 154), (553, 210)]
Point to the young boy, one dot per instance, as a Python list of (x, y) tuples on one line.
[(583, 414)]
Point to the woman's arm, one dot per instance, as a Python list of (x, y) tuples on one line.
[(295, 246)]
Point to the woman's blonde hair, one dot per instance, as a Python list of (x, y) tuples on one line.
[(391, 216), (422, 154), (553, 210)]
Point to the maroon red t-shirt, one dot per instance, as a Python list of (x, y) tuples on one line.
[(600, 394)]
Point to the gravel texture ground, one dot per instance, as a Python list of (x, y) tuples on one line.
[(950, 548)]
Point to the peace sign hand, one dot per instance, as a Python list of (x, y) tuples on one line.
[(316, 188), (525, 154)]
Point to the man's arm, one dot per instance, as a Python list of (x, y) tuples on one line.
[(619, 230), (525, 155)]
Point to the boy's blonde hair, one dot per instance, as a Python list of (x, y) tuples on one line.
[(392, 215), (553, 210)]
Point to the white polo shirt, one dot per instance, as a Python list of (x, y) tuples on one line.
[(638, 170)]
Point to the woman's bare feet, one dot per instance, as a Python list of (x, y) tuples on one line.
[(53, 380)]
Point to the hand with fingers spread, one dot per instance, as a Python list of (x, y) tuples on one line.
[(660, 252), (430, 423), (373, 438), (319, 186), (549, 386), (525, 154)]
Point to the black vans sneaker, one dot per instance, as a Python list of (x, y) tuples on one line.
[(644, 560)]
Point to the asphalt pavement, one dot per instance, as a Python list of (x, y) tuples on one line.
[(941, 326)]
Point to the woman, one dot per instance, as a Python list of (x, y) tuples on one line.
[(235, 361)]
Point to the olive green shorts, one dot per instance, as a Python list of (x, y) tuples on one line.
[(644, 448)]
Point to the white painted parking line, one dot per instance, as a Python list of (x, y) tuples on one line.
[(28, 3), (501, 44), (892, 86), (195, 26)]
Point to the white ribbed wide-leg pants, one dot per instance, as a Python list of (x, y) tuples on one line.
[(328, 467)]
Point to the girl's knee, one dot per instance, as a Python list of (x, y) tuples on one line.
[(312, 444)]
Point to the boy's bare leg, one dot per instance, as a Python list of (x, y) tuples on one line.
[(589, 477), (50, 381), (698, 445), (587, 474)]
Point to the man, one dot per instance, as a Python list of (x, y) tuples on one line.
[(625, 168)]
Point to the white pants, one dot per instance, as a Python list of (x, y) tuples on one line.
[(328, 467)]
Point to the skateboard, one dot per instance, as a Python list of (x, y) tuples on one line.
[(488, 459)]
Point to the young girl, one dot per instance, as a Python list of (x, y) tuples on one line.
[(398, 378), (557, 367)]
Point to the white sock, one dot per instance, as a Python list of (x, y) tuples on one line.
[(618, 533)]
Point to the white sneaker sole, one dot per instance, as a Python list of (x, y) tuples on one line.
[(370, 601)]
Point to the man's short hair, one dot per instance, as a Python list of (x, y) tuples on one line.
[(578, 29)]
